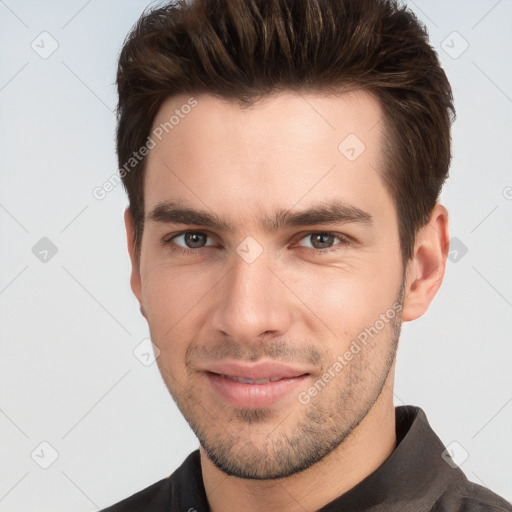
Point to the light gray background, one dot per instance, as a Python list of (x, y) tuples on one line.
[(69, 325)]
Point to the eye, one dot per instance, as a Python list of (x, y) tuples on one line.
[(193, 242), (322, 242)]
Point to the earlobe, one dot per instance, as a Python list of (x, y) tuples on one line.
[(135, 280), (425, 270)]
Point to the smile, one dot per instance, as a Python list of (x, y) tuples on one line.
[(245, 393), (250, 381)]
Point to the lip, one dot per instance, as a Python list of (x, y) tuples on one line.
[(256, 371), (258, 395)]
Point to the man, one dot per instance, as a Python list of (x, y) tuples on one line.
[(283, 161)]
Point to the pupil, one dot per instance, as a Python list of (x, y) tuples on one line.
[(324, 236), (192, 238)]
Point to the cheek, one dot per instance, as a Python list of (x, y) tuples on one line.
[(173, 297), (168, 302), (161, 300), (345, 302)]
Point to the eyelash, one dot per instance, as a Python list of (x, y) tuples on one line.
[(344, 240)]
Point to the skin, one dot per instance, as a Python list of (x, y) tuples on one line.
[(290, 304)]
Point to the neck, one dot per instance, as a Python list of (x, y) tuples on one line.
[(359, 455)]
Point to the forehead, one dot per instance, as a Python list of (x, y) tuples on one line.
[(285, 116), (285, 149)]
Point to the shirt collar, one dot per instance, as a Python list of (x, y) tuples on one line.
[(411, 478)]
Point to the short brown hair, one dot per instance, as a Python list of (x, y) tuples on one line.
[(243, 50)]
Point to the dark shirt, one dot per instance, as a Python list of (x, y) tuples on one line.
[(415, 477)]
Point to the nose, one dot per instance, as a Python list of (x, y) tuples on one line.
[(252, 302)]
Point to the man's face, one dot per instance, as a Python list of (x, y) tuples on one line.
[(228, 299)]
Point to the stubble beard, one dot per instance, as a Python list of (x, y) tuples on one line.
[(319, 431), (277, 453)]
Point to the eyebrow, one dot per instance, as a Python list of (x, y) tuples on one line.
[(333, 212)]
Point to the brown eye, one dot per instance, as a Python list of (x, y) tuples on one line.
[(188, 240), (322, 240), (194, 240)]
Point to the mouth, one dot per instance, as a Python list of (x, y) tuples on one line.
[(254, 386), (250, 381)]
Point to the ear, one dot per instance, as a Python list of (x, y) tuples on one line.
[(135, 281), (425, 270)]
